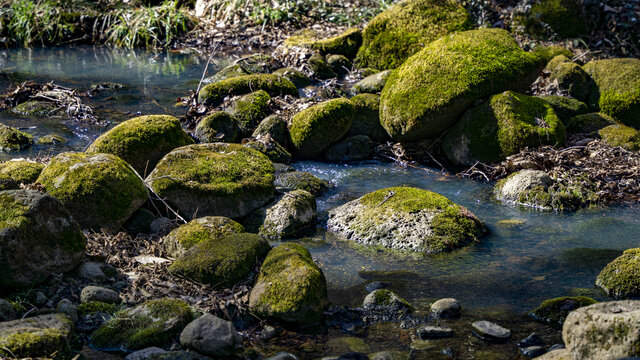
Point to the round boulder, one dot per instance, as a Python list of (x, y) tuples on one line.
[(219, 126), (211, 336), (212, 228), (621, 277), (526, 187), (294, 213)]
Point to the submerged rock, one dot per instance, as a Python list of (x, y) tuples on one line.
[(402, 30), (355, 148), (290, 288), (142, 141), (301, 180), (428, 93), (211, 336), (434, 332), (316, 128), (345, 345), (36, 108), (447, 308), (502, 126), (38, 237), (487, 330), (216, 179), (16, 172), (385, 298), (621, 277), (293, 214), (221, 262), (38, 336), (211, 228), (218, 126), (603, 331), (554, 311), (12, 139), (407, 219), (149, 324), (99, 190), (213, 94)]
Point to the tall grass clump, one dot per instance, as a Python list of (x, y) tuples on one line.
[(32, 23)]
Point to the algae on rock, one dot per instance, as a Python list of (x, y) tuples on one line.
[(35, 337), (12, 139), (213, 94), (345, 44), (184, 237), (621, 277), (554, 311), (217, 126), (16, 172), (621, 135)]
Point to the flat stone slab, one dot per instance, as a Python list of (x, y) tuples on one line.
[(434, 332), (487, 330)]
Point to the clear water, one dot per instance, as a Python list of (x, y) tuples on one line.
[(516, 266)]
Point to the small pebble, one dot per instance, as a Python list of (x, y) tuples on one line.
[(487, 330), (98, 293)]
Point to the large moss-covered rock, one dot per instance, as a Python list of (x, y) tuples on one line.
[(339, 64), (554, 311), (293, 214), (250, 109), (603, 331), (617, 88), (564, 17), (571, 79), (552, 51), (269, 147), (566, 107), (142, 141), (407, 219), (428, 93), (213, 228), (149, 324), (290, 288), (221, 262), (526, 187), (621, 135), (213, 94), (502, 126), (345, 44), (16, 172), (366, 118), (38, 336), (276, 128), (401, 31), (588, 123), (316, 128), (36, 108), (301, 180), (38, 237), (621, 277), (99, 190), (216, 179), (12, 139), (218, 126)]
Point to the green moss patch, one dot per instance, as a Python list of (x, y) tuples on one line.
[(93, 307), (212, 228), (588, 123), (12, 139), (218, 126), (346, 44), (428, 93), (621, 277), (566, 107), (404, 29), (554, 311), (14, 173), (39, 336), (366, 118), (213, 94), (250, 109), (621, 135), (142, 141)]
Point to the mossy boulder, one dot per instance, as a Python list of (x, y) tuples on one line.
[(621, 135), (566, 107), (227, 72), (38, 237), (383, 298), (366, 118), (301, 180), (526, 187), (16, 172), (571, 79), (406, 218), (151, 323), (273, 150), (212, 228), (316, 128), (36, 108), (565, 18), (216, 179), (297, 77), (250, 109), (101, 191), (404, 29), (554, 311), (428, 93), (320, 67), (222, 261), (218, 126), (142, 141), (38, 336), (94, 307), (354, 148), (290, 287), (589, 123), (345, 44), (339, 64), (213, 94), (52, 139), (551, 51), (616, 90), (258, 63), (621, 277), (294, 214), (373, 83), (276, 128), (12, 139), (557, 60), (502, 126)]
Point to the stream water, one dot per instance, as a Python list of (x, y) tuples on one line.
[(527, 257)]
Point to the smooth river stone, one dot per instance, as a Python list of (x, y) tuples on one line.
[(487, 330)]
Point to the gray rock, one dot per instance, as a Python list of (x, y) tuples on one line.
[(282, 356), (434, 332), (7, 312), (372, 83), (447, 308), (300, 180), (384, 297), (26, 259), (92, 271), (98, 293), (41, 298), (603, 331), (145, 354), (293, 214), (47, 334), (160, 225), (533, 351), (517, 187), (65, 306), (561, 354), (275, 127), (211, 335), (487, 330)]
